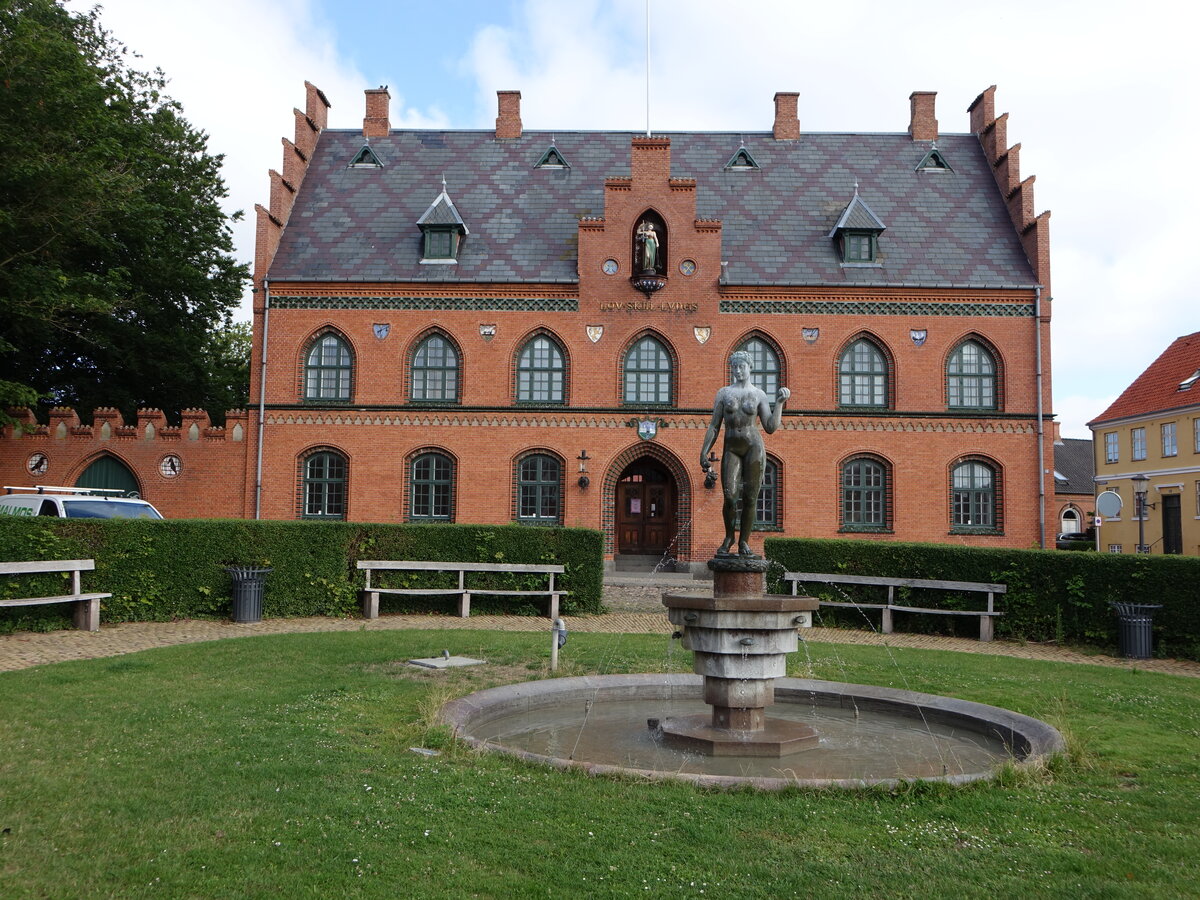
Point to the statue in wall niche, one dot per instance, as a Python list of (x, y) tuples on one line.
[(647, 242), (739, 406)]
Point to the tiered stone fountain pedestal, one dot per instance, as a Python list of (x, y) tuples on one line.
[(740, 638)]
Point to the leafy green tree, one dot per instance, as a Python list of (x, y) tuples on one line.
[(116, 266)]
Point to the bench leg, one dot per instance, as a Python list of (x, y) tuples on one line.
[(985, 628), (370, 605), (886, 626), (87, 615), (553, 607), (464, 605)]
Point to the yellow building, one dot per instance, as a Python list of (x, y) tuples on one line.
[(1147, 443)]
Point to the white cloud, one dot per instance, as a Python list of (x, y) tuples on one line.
[(238, 67)]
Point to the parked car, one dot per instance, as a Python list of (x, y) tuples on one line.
[(1076, 540), (73, 503)]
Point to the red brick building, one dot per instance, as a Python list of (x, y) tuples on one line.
[(461, 325)]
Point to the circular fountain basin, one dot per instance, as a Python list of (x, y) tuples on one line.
[(867, 735)]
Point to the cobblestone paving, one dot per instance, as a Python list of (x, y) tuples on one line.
[(630, 610)]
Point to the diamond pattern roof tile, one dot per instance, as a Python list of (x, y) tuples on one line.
[(950, 229)]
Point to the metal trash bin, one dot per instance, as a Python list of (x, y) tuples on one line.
[(248, 584), (1133, 633)]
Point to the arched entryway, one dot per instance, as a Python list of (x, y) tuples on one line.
[(647, 497), (109, 473)]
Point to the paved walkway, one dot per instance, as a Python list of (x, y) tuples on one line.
[(630, 611)]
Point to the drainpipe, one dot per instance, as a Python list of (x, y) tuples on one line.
[(1041, 428), (262, 399)]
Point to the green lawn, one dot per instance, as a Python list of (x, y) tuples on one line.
[(280, 766)]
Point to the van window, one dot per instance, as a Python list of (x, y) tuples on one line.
[(48, 509), (103, 509)]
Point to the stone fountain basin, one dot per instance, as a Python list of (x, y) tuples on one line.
[(1018, 738)]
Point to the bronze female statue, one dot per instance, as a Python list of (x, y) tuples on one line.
[(739, 406)]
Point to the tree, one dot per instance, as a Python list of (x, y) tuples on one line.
[(116, 266)]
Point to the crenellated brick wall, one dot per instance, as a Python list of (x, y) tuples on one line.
[(206, 482)]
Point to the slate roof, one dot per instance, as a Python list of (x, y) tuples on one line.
[(1158, 388), (1074, 466), (359, 224)]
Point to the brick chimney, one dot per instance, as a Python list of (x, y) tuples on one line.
[(508, 123), (376, 123), (922, 124), (787, 119)]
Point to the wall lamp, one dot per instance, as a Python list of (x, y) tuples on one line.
[(583, 458)]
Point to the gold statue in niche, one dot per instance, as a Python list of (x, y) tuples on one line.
[(647, 248)]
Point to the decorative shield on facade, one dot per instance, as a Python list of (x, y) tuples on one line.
[(487, 332), (595, 332), (811, 334), (647, 429), (382, 329), (703, 333), (918, 335)]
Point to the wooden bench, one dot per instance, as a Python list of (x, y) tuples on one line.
[(87, 606), (464, 592), (985, 616)]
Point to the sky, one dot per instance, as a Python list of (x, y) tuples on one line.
[(1101, 96)]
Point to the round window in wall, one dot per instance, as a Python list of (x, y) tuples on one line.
[(687, 267), (610, 267)]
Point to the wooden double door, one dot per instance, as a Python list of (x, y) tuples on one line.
[(646, 501)]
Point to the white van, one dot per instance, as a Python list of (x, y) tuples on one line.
[(73, 503)]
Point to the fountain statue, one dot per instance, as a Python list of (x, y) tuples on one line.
[(740, 636)]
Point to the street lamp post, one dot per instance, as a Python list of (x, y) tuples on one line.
[(1141, 483)]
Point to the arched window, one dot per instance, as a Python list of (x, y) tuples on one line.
[(766, 366), (325, 478), (863, 375), (539, 491), (540, 372), (647, 373), (865, 495), (973, 493), (971, 377), (328, 369), (431, 498), (435, 370), (1069, 522)]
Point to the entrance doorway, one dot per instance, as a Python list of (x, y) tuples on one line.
[(646, 503), (1172, 523)]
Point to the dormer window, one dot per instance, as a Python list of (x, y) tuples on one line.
[(857, 234), (741, 161), (552, 159), (858, 246), (933, 161), (365, 159), (442, 231)]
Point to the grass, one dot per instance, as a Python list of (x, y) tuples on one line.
[(280, 766)]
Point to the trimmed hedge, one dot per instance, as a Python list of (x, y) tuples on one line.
[(164, 570), (1052, 595)]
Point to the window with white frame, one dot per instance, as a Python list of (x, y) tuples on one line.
[(1170, 446), (1196, 435), (1114, 548), (1112, 452), (1137, 443)]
